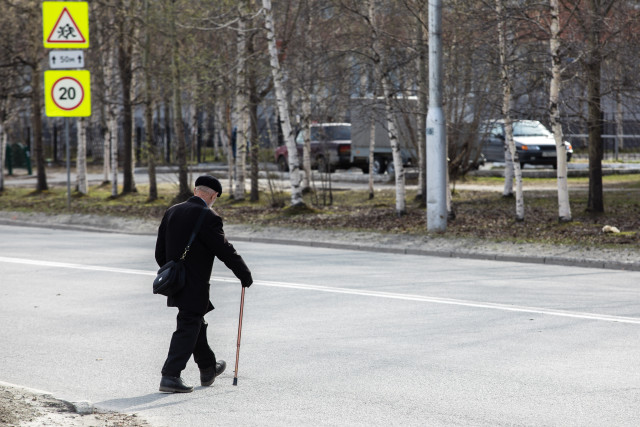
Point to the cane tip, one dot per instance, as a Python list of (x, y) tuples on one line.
[(235, 381)]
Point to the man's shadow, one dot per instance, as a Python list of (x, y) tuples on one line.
[(148, 401)]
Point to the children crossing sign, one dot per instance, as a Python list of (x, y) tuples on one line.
[(65, 24), (67, 93)]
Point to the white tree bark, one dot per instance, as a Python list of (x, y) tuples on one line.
[(619, 112), (283, 108), (372, 139), (3, 147), (113, 143), (106, 153), (193, 119), (401, 207), (81, 157), (242, 115), (509, 174), (564, 208), (306, 132), (505, 68), (111, 135)]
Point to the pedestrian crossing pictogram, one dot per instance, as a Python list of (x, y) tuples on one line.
[(65, 24), (66, 30)]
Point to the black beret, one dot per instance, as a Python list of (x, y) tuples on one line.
[(211, 182)]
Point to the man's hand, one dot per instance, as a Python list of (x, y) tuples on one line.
[(247, 282)]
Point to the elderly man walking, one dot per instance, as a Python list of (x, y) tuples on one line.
[(190, 336)]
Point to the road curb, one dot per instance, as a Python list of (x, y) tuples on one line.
[(83, 407), (562, 261), (443, 253)]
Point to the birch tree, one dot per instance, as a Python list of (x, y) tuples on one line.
[(381, 65), (150, 143), (178, 125), (3, 148), (507, 102), (564, 208), (81, 156), (295, 174), (593, 19), (306, 134), (125, 61), (110, 141), (241, 111), (28, 54)]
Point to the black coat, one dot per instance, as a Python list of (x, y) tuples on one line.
[(173, 235)]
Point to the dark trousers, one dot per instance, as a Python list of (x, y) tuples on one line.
[(189, 338)]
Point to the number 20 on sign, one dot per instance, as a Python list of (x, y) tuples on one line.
[(67, 93)]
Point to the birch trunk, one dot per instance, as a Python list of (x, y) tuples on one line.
[(106, 149), (166, 140), (112, 133), (81, 156), (401, 208), (619, 113), (372, 140), (125, 64), (3, 147), (107, 112), (509, 174), (193, 119), (231, 136), (150, 142), (564, 208), (134, 134), (505, 69), (306, 129), (178, 124), (36, 120), (283, 108), (241, 107)]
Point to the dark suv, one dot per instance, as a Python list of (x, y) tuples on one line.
[(535, 145), (330, 147)]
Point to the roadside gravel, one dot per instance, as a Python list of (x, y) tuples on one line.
[(25, 407)]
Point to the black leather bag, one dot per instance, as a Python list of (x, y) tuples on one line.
[(172, 276), (170, 279)]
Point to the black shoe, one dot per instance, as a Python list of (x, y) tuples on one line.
[(208, 376), (174, 385)]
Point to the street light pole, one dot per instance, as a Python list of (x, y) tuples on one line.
[(436, 131)]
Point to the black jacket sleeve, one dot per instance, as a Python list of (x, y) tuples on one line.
[(225, 252)]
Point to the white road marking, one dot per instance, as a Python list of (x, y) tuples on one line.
[(377, 294)]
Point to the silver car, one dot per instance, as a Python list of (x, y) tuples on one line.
[(535, 145)]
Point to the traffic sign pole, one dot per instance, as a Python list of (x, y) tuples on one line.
[(66, 133)]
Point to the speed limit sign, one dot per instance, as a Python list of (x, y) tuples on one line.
[(67, 93)]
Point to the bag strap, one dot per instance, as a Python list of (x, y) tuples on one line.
[(195, 231)]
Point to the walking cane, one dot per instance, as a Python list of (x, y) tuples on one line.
[(235, 375)]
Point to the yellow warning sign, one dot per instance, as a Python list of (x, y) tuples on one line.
[(65, 25), (67, 93)]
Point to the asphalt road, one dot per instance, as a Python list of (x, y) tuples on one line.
[(330, 337)]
